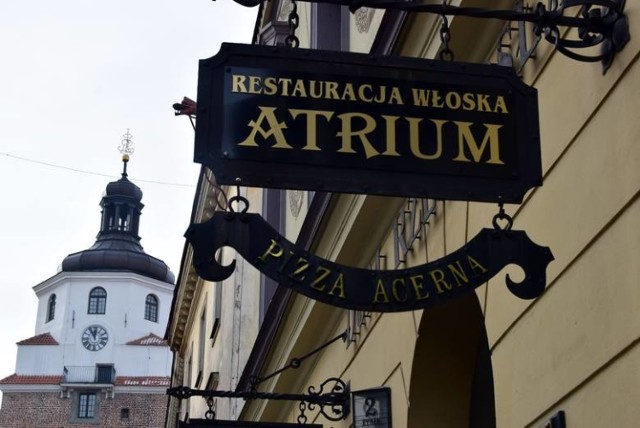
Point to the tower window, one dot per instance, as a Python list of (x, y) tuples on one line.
[(86, 406), (51, 308), (124, 221), (151, 308), (97, 301)]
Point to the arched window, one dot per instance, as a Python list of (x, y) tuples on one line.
[(97, 301), (151, 308), (51, 308)]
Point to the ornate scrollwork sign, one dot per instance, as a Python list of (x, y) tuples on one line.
[(384, 291)]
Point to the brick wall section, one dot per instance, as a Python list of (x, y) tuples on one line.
[(48, 410)]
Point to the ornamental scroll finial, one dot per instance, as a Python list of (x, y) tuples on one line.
[(126, 148)]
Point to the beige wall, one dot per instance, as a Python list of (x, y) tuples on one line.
[(575, 348)]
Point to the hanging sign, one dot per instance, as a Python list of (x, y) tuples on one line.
[(369, 290), (205, 423), (352, 123)]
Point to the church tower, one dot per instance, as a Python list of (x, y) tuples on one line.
[(97, 357)]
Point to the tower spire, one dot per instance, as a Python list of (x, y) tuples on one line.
[(126, 149)]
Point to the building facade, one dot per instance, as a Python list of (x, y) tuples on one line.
[(97, 357), (489, 359), (568, 358)]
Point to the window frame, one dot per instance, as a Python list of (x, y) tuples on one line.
[(90, 407), (151, 309), (51, 308), (100, 301)]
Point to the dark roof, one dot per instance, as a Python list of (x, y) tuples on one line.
[(117, 247), (123, 187), (118, 253)]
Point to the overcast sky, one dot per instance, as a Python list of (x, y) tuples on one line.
[(74, 75)]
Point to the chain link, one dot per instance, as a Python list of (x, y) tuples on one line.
[(210, 414), (503, 216), (446, 54), (302, 418), (294, 20)]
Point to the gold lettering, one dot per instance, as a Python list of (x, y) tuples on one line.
[(284, 83), (270, 87), (315, 90), (414, 138), (395, 96), (382, 94), (348, 133), (361, 94), (436, 99), (237, 83), (491, 138), (468, 101), (458, 273), (380, 292), (301, 266), (395, 291), (274, 251), (317, 283), (299, 89), (452, 100), (254, 85), (501, 105), (437, 276), (420, 97), (275, 129), (338, 285), (417, 282), (312, 122), (348, 93), (331, 89), (391, 135), (483, 102), (474, 264)]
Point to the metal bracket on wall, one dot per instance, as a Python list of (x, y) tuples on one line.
[(599, 22), (333, 404)]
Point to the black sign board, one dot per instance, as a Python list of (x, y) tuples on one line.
[(205, 423), (416, 287), (354, 123)]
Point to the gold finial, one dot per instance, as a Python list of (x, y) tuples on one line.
[(126, 148)]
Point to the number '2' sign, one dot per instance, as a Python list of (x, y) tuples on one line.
[(372, 408)]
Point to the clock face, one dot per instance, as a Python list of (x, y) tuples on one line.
[(94, 337)]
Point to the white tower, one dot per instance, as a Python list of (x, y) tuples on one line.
[(98, 357)]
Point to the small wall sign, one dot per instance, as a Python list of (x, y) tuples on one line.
[(372, 408), (205, 423)]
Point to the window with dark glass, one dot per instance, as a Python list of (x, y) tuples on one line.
[(97, 301), (51, 308), (151, 308), (86, 406)]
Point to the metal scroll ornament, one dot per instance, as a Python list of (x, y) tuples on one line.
[(417, 287)]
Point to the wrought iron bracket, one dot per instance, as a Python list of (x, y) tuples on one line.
[(297, 361), (334, 404), (599, 22)]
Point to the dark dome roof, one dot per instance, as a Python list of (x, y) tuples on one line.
[(118, 253), (125, 188), (117, 248)]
